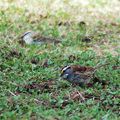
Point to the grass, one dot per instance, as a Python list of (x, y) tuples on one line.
[(20, 66)]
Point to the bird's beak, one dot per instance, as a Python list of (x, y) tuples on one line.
[(61, 74)]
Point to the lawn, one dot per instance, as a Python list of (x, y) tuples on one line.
[(30, 83)]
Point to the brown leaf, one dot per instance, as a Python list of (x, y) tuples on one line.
[(72, 58), (86, 39), (115, 67), (45, 63), (34, 61), (43, 86), (77, 96), (13, 53)]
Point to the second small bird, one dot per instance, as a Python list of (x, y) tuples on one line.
[(31, 37)]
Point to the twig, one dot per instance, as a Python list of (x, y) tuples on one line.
[(81, 96), (11, 93), (36, 100), (99, 66)]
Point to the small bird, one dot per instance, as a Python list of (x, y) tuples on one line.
[(31, 37), (77, 74)]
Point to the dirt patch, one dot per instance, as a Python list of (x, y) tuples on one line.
[(45, 63), (34, 61), (13, 53), (38, 87)]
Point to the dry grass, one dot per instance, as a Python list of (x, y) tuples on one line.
[(91, 12)]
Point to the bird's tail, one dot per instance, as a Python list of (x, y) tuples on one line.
[(99, 66)]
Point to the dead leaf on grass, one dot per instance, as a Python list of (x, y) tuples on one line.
[(45, 63), (40, 87), (13, 53), (72, 58), (116, 67), (86, 39), (77, 96), (34, 61)]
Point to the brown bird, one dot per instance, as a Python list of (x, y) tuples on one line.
[(77, 74), (31, 37)]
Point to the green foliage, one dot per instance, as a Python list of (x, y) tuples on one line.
[(25, 65)]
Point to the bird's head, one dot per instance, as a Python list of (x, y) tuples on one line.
[(27, 37), (66, 72)]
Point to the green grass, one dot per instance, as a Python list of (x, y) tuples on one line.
[(17, 67)]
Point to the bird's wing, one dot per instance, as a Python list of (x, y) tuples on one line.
[(82, 69), (89, 73), (85, 76), (81, 79), (39, 38), (36, 36)]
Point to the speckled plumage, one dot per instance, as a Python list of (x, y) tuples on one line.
[(35, 38), (77, 74), (81, 75)]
